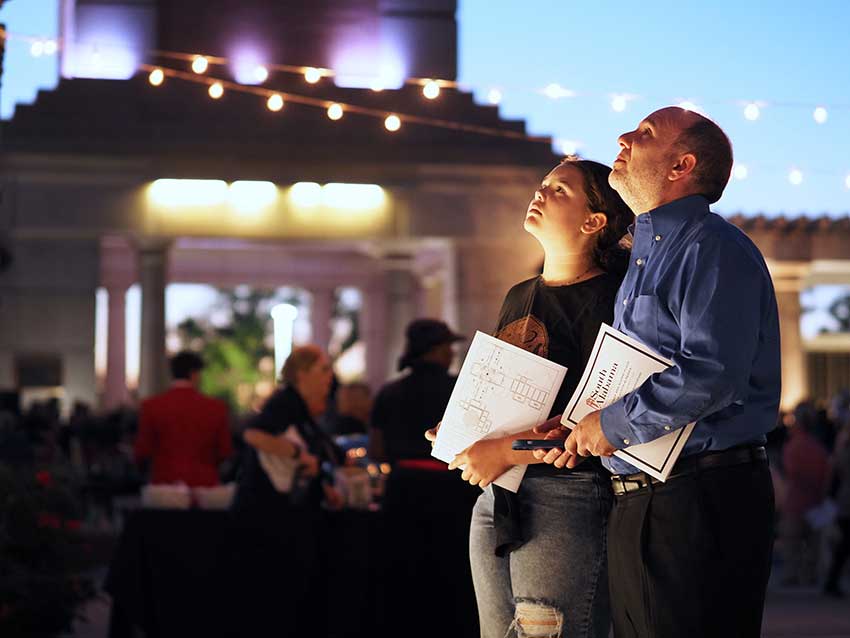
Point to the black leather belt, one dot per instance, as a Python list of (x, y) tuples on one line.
[(625, 483)]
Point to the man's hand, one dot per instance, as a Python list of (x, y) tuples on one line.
[(485, 461), (431, 434), (586, 439)]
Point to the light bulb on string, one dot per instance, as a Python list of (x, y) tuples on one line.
[(740, 171), (820, 114), (619, 103), (847, 181), (568, 147), (261, 74), (335, 111), (51, 47), (274, 103), (200, 64), (752, 111), (156, 77), (37, 49), (392, 123), (795, 176), (216, 90), (494, 96), (431, 89), (312, 75)]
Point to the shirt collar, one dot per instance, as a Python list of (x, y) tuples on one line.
[(667, 217)]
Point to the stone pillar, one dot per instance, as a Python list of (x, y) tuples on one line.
[(115, 388), (153, 264), (795, 374), (788, 277), (373, 328), (321, 312), (403, 295)]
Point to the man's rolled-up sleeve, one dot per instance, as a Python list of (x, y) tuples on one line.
[(718, 299)]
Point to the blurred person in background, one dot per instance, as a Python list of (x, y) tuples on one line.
[(183, 434), (841, 470), (353, 405), (805, 463), (285, 479), (406, 407)]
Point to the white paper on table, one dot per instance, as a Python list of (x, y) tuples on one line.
[(619, 364), (501, 390)]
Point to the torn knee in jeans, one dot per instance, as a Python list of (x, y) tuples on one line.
[(537, 619)]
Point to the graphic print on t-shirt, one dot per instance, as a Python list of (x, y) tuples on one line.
[(528, 333)]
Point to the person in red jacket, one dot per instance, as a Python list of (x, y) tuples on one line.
[(184, 434)]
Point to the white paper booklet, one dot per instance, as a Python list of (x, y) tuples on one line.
[(501, 389), (619, 364)]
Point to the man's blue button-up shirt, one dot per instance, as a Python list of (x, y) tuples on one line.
[(699, 293)]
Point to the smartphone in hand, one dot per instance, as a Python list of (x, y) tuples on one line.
[(537, 444)]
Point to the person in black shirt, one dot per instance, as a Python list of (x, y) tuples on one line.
[(405, 407), (539, 556), (275, 562)]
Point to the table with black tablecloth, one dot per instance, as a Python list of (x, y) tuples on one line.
[(401, 571)]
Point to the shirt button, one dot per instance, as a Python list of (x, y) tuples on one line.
[(667, 427), (658, 238), (626, 441), (639, 261)]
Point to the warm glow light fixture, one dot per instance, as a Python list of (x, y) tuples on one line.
[(821, 115), (431, 90), (275, 102), (337, 196), (249, 197), (156, 77), (740, 171), (37, 49), (200, 64), (188, 192), (335, 111), (216, 90), (392, 123), (494, 96), (261, 74), (312, 75), (51, 47)]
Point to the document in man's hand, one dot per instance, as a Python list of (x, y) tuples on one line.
[(501, 390), (619, 364)]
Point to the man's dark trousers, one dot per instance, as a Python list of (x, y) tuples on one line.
[(691, 557)]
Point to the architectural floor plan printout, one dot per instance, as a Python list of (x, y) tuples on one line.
[(619, 364), (501, 390)]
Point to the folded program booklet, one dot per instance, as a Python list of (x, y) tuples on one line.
[(619, 364), (501, 390)]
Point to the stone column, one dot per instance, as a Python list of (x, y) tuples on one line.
[(788, 282), (321, 312), (115, 388), (402, 294), (373, 326), (153, 264)]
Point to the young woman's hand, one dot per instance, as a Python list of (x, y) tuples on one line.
[(485, 461), (431, 434)]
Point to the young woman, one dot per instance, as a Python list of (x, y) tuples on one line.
[(539, 556)]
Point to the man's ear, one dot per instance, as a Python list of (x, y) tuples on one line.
[(594, 223), (683, 167)]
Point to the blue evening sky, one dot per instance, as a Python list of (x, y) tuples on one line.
[(791, 56)]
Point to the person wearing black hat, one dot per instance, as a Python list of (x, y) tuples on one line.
[(403, 408)]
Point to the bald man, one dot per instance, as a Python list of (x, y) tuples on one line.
[(691, 556)]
